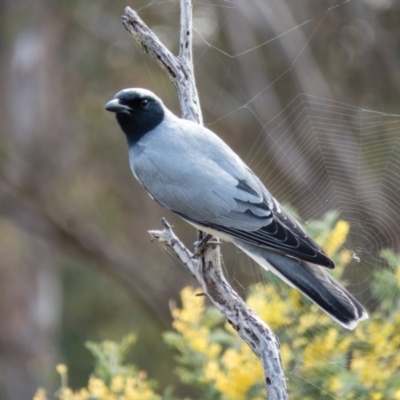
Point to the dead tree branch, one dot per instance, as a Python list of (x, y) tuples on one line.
[(207, 269)]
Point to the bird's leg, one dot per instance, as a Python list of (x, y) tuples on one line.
[(201, 245)]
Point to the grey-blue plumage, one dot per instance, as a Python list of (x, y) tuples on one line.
[(188, 169)]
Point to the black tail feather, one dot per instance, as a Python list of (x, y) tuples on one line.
[(313, 282)]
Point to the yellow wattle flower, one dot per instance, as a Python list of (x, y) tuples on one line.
[(97, 387), (61, 369), (117, 383), (336, 238), (40, 395)]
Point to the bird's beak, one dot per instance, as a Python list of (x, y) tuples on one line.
[(115, 106)]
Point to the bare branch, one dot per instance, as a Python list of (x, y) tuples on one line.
[(249, 326), (207, 269), (177, 69), (186, 33)]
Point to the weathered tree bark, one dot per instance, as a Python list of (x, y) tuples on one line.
[(207, 268)]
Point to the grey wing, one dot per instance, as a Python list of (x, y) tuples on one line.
[(194, 186), (215, 189), (263, 222)]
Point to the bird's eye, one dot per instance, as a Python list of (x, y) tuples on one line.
[(144, 103)]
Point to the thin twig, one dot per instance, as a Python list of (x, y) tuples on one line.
[(186, 33), (177, 69)]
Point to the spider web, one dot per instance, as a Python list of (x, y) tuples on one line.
[(319, 154), (314, 153), (354, 169)]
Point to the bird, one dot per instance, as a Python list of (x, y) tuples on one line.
[(188, 169)]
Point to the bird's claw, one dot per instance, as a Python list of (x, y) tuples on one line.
[(202, 244), (199, 244)]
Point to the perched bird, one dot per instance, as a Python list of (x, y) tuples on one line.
[(189, 170)]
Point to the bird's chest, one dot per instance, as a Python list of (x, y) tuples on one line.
[(155, 165)]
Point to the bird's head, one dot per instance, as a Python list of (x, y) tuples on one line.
[(138, 111)]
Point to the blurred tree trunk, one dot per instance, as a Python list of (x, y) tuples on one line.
[(29, 279)]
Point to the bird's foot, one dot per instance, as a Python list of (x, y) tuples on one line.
[(202, 244)]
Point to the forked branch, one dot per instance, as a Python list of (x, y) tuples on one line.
[(179, 69), (207, 269)]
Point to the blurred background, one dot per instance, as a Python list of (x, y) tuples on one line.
[(285, 83)]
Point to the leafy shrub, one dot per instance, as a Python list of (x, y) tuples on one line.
[(321, 360)]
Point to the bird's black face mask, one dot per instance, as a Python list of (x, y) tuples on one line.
[(136, 114)]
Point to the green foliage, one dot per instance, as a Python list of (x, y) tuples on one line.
[(112, 379), (386, 286), (321, 360), (109, 358)]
